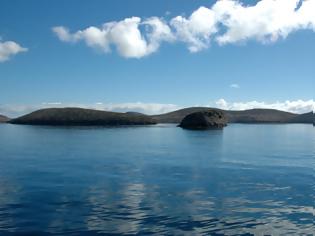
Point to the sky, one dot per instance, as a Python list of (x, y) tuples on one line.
[(157, 56)]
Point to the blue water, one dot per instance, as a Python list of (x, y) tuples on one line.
[(244, 180)]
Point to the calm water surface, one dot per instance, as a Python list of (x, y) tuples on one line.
[(244, 180)]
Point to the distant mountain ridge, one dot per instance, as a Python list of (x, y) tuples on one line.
[(80, 116), (246, 116)]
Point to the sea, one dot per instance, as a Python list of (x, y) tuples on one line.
[(246, 179)]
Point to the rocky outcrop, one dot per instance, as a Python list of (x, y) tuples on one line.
[(79, 116), (212, 119)]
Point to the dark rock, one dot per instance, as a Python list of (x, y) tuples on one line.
[(213, 119)]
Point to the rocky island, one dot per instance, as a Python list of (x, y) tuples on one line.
[(212, 119), (80, 116)]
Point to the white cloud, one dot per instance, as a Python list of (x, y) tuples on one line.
[(63, 34), (222, 104), (297, 106), (236, 86), (197, 29), (125, 35), (226, 21), (146, 108), (158, 31), (9, 49), (267, 21)]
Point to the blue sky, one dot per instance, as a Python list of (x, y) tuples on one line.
[(71, 72)]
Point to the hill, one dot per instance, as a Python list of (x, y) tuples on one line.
[(80, 116), (4, 119), (259, 116), (246, 116), (177, 116), (303, 118)]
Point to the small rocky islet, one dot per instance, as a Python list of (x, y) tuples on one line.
[(203, 120)]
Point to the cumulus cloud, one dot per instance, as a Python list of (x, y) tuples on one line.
[(63, 34), (226, 21), (222, 104), (14, 110), (267, 21), (297, 106), (9, 49), (127, 36), (197, 29)]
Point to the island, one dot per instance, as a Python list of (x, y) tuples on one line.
[(201, 120), (80, 116)]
